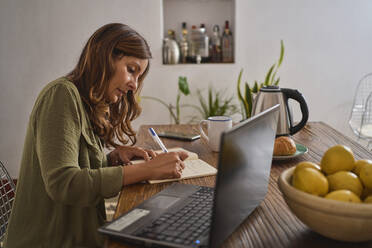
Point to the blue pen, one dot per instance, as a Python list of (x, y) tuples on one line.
[(157, 140)]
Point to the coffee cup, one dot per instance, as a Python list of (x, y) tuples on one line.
[(215, 126)]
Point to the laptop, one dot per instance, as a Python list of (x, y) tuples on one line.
[(184, 215)]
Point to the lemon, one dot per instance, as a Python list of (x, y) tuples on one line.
[(345, 180), (311, 181), (337, 158), (366, 176), (307, 164), (343, 195), (359, 164), (368, 199)]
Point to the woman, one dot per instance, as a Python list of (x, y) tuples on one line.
[(64, 173)]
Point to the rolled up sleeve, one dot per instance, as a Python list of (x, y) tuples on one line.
[(58, 133)]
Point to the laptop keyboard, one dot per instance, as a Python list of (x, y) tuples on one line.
[(187, 224)]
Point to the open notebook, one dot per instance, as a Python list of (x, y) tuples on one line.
[(194, 167)]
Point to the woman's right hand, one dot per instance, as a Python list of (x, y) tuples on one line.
[(163, 166), (167, 165)]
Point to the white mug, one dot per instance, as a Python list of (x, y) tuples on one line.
[(216, 125)]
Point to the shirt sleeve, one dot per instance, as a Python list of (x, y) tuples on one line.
[(58, 132)]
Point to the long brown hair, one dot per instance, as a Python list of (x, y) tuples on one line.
[(92, 75)]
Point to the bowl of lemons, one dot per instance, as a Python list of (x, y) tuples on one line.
[(333, 198)]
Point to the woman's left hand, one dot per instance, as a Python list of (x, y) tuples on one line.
[(124, 154)]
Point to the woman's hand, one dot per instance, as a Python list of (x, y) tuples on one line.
[(124, 154), (167, 165), (163, 166)]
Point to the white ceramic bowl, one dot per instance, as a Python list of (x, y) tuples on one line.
[(338, 220)]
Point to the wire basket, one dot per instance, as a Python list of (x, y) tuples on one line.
[(7, 190)]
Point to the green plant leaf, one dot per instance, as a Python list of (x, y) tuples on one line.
[(178, 107), (210, 101), (248, 96), (277, 82), (273, 76), (222, 110), (216, 104), (230, 107), (241, 99), (267, 79), (255, 87), (213, 104), (281, 53), (183, 85), (238, 86)]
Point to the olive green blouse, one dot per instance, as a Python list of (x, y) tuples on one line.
[(63, 177)]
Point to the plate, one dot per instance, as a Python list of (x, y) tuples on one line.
[(300, 149)]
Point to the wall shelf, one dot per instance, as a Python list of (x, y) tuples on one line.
[(196, 12)]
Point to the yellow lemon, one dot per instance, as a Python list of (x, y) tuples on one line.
[(368, 199), (366, 176), (337, 158), (311, 181), (307, 164), (343, 195), (359, 164), (345, 180)]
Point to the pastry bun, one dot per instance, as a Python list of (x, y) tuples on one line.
[(284, 146)]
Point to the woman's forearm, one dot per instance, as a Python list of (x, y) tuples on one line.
[(135, 173)]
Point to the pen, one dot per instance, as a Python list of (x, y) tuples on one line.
[(157, 140)]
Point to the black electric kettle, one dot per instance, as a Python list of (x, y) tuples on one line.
[(269, 96)]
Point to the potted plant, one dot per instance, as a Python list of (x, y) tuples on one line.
[(246, 100), (216, 104)]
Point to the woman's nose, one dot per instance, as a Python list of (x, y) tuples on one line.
[(133, 83)]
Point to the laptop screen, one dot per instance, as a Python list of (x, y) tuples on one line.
[(244, 171)]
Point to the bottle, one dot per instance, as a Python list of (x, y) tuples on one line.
[(215, 50), (227, 45), (199, 45), (193, 45), (204, 44), (171, 51), (184, 44)]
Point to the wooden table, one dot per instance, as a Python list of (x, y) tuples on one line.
[(272, 224)]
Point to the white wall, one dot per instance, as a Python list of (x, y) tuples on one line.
[(328, 46)]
